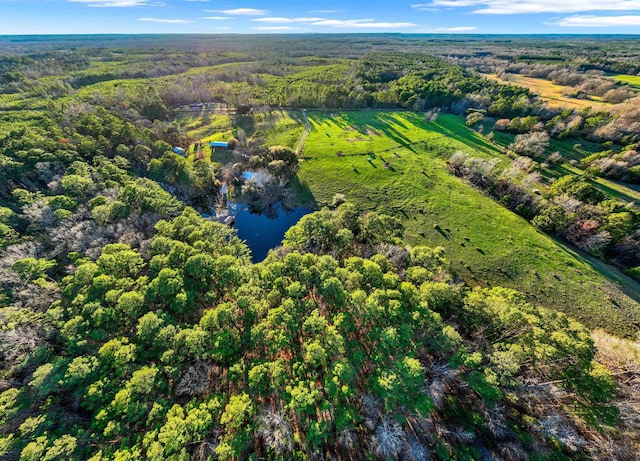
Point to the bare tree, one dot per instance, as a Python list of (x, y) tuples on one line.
[(275, 431), (530, 144), (388, 440)]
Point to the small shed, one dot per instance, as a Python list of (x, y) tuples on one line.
[(219, 144), (248, 175), (178, 150)]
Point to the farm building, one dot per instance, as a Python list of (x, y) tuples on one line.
[(178, 150), (218, 144)]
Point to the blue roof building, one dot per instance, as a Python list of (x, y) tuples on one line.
[(248, 175), (218, 144), (178, 150)]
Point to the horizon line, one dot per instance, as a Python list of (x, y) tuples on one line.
[(325, 33)]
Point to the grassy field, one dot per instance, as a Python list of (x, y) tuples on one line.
[(632, 80), (487, 244), (551, 93), (278, 127), (281, 128)]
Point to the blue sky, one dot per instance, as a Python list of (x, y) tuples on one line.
[(321, 16)]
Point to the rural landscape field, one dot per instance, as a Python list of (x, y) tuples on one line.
[(319, 247)]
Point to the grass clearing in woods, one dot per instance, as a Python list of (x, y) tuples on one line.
[(632, 80), (551, 93), (486, 243)]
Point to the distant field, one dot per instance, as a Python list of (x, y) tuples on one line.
[(551, 93), (485, 241), (632, 80)]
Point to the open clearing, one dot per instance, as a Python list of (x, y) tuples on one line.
[(485, 242), (632, 80), (279, 127), (551, 93)]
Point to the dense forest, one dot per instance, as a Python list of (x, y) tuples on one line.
[(134, 324)]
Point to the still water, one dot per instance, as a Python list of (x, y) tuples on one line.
[(266, 230)]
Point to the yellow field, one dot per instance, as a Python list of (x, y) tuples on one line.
[(551, 93)]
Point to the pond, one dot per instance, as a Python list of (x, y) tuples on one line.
[(264, 231)]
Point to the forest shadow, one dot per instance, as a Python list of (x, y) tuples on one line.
[(627, 285), (297, 117), (247, 123), (463, 134), (300, 194)]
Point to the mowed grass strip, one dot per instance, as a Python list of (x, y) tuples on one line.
[(487, 244)]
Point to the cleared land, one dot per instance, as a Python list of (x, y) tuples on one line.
[(551, 93), (632, 80), (486, 243), (279, 127)]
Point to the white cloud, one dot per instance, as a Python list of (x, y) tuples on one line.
[(599, 21), (112, 3), (533, 6), (165, 21), (218, 18), (273, 28), (288, 20), (338, 23), (361, 23), (447, 29), (424, 7), (240, 12)]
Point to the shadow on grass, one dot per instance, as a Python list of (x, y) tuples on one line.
[(612, 192), (297, 116), (247, 123), (629, 286), (299, 194), (442, 232), (460, 132), (380, 122)]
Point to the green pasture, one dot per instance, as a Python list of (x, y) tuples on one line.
[(632, 80), (487, 244)]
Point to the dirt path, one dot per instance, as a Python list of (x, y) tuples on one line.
[(304, 134)]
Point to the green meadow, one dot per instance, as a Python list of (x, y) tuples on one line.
[(632, 80), (395, 162)]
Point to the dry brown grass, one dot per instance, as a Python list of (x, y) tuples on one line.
[(551, 93), (616, 353)]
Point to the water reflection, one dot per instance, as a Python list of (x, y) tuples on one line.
[(265, 230)]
